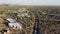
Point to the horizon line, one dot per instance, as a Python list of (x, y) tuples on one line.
[(29, 5)]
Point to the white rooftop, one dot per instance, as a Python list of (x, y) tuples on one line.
[(11, 20), (14, 25)]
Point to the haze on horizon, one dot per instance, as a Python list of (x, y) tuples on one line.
[(32, 2)]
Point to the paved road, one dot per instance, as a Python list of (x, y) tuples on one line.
[(36, 28)]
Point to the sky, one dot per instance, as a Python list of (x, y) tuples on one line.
[(32, 2)]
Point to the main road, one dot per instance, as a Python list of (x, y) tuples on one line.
[(36, 28)]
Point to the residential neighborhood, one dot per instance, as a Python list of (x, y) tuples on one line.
[(29, 19)]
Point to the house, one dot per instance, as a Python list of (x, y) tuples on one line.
[(11, 20), (23, 15), (6, 22), (15, 26), (42, 12), (23, 12), (12, 23), (56, 16)]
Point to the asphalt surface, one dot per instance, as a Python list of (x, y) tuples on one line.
[(36, 28)]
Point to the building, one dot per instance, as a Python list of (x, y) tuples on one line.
[(11, 20), (56, 16), (15, 26), (12, 23), (23, 15)]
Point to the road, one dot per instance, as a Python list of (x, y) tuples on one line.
[(36, 28)]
